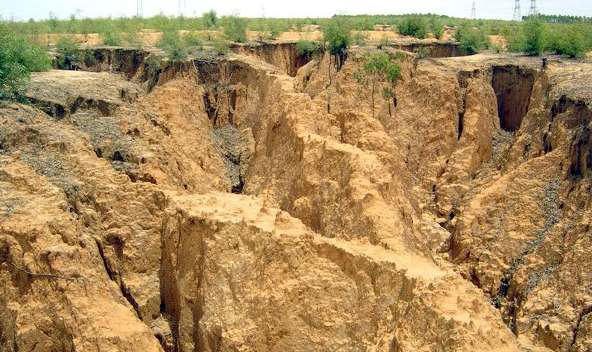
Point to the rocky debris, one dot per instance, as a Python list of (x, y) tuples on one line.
[(513, 89), (236, 148)]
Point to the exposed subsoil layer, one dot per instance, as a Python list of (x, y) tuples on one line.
[(513, 88), (254, 202)]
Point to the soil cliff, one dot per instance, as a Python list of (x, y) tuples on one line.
[(234, 205)]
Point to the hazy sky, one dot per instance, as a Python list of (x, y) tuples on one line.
[(25, 9)]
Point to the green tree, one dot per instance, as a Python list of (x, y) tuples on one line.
[(471, 39), (210, 19), (414, 26), (378, 67), (437, 28), (533, 36), (18, 58), (235, 29), (112, 38), (567, 40), (337, 37), (307, 48), (173, 45), (68, 53)]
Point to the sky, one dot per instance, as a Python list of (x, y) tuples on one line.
[(503, 9)]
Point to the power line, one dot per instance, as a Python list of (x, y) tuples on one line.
[(139, 8), (182, 7), (517, 13)]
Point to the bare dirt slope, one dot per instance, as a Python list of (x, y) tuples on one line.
[(235, 207)]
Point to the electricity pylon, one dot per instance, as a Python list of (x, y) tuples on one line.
[(182, 7), (517, 12), (533, 8), (139, 8), (474, 11)]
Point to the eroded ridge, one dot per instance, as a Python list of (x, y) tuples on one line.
[(451, 216)]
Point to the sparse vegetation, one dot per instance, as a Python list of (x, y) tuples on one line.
[(307, 48), (564, 35), (220, 46), (210, 19), (112, 38), (173, 45), (384, 42), (193, 40), (18, 58), (68, 53), (273, 30), (359, 38), (235, 29), (422, 52), (133, 38), (437, 28), (378, 67)]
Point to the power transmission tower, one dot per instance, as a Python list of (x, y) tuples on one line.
[(474, 11), (517, 12), (533, 8), (182, 7), (139, 7)]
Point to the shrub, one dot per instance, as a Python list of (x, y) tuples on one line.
[(359, 38), (307, 48), (133, 38), (235, 29), (497, 48), (384, 42), (210, 19), (274, 29), (18, 58), (514, 38), (437, 28), (533, 36), (220, 46), (567, 40), (471, 39), (173, 45), (414, 26), (68, 53), (422, 52), (192, 39)]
